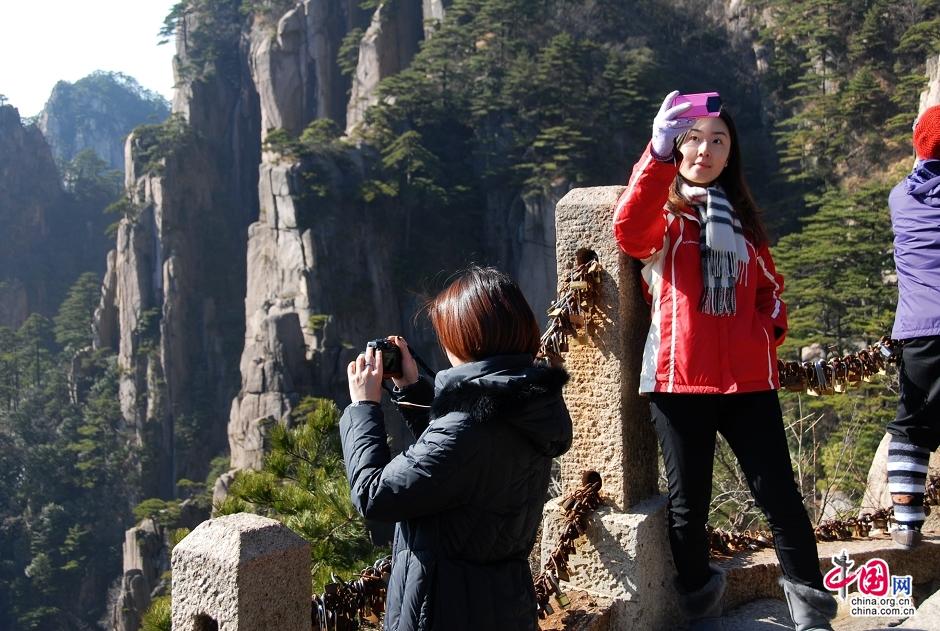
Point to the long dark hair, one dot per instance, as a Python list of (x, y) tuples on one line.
[(735, 186)]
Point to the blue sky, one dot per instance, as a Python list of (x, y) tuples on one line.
[(43, 42)]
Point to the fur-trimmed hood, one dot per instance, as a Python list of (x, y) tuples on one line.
[(509, 389)]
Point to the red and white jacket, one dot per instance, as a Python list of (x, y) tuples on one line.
[(688, 351)]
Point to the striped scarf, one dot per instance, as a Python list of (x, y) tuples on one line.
[(723, 248)]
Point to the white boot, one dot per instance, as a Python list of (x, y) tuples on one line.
[(811, 609)]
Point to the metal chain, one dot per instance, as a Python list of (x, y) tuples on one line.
[(571, 310), (723, 543), (342, 605), (578, 506), (838, 373)]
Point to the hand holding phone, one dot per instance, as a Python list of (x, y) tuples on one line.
[(703, 104), (670, 122)]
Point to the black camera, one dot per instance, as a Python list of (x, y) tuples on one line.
[(391, 356)]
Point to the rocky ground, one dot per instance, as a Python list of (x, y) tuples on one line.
[(586, 614), (772, 615)]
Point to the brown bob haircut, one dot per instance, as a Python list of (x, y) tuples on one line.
[(483, 313)]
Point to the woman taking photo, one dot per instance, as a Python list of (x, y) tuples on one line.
[(468, 494), (710, 362)]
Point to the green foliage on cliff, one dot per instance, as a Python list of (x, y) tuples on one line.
[(63, 470), (837, 267), (522, 104), (210, 31), (348, 57), (162, 512), (303, 485), (320, 138), (89, 179), (272, 10), (154, 143), (73, 322)]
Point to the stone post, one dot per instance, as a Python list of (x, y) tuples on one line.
[(241, 572), (613, 434), (625, 555)]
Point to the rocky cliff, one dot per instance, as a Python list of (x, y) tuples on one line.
[(97, 112), (32, 211), (319, 281), (52, 227), (172, 298), (387, 47), (173, 291)]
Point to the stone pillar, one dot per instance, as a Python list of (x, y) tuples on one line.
[(625, 555), (613, 434), (241, 572)]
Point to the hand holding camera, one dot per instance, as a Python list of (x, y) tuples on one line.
[(398, 363), (384, 358), (407, 372), (365, 376)]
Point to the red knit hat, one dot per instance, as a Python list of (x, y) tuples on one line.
[(927, 134)]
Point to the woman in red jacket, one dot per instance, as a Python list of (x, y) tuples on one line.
[(710, 362)]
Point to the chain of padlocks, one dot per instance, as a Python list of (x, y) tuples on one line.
[(578, 294), (578, 507), (723, 543), (571, 310), (343, 604), (836, 374)]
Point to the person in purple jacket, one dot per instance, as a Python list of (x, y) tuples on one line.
[(915, 432)]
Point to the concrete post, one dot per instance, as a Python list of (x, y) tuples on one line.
[(625, 555), (241, 572)]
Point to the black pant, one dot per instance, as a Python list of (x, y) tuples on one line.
[(918, 417), (753, 426)]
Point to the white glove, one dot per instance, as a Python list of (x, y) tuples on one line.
[(667, 126)]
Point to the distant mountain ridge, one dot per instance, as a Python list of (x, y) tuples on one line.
[(98, 112)]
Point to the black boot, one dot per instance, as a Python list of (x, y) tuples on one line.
[(703, 606), (810, 608)]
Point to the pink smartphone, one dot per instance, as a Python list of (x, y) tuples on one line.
[(703, 104)]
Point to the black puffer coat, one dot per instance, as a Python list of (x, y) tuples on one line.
[(467, 495)]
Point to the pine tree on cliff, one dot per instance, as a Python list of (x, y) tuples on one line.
[(73, 322), (303, 485)]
